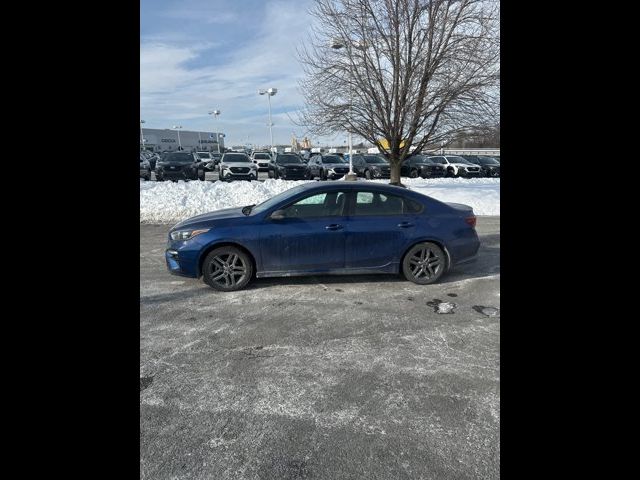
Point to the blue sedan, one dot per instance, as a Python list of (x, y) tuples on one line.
[(325, 228)]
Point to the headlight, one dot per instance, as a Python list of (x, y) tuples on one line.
[(186, 234)]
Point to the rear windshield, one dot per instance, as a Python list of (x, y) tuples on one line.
[(204, 155)]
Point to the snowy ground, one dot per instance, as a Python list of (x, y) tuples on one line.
[(168, 202)]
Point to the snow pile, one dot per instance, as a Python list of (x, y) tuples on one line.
[(170, 202)]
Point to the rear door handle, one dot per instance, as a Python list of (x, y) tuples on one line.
[(333, 226), (405, 224)]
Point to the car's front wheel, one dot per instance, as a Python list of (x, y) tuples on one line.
[(367, 174), (227, 269), (424, 263), (413, 173)]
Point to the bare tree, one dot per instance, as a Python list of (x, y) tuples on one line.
[(404, 75)]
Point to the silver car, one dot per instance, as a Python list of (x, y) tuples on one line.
[(237, 166)]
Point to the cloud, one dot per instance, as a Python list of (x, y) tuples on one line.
[(182, 83)]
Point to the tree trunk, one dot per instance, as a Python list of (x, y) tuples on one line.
[(395, 172)]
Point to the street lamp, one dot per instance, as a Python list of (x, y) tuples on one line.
[(141, 134), (337, 44), (177, 128), (215, 114), (270, 93)]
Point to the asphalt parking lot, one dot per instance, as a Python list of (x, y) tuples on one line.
[(368, 377)]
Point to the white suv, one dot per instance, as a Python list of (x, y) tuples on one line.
[(457, 166), (237, 166)]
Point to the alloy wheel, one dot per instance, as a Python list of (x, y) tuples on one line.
[(227, 270)]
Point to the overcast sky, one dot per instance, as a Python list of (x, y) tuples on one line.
[(200, 55)]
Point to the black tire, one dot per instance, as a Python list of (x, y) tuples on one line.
[(424, 263), (367, 174), (270, 174), (413, 173), (159, 178), (227, 269), (202, 176), (323, 175)]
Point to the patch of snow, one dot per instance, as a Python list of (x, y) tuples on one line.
[(170, 202), (446, 307)]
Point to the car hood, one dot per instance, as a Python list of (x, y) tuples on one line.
[(198, 220), (292, 164), (238, 164)]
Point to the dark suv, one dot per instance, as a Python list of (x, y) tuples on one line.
[(371, 166), (328, 166), (489, 166), (288, 166), (421, 166), (180, 166)]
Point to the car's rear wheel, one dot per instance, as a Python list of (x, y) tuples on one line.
[(227, 269), (424, 263), (413, 173)]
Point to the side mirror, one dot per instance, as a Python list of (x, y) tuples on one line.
[(277, 215)]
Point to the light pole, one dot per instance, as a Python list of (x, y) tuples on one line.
[(270, 93), (215, 114), (141, 135), (177, 128), (337, 45)]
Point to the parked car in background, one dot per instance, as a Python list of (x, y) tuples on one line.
[(421, 166), (325, 228), (456, 166), (237, 166), (152, 158), (288, 166), (489, 166), (261, 159), (371, 166), (327, 166), (145, 167), (180, 166)]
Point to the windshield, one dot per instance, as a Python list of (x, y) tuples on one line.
[(236, 158), (261, 156), (437, 160), (333, 159), (267, 204), (459, 160), (375, 159), (204, 155), (179, 158), (288, 159), (421, 159), (488, 161)]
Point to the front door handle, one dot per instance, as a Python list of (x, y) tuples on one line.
[(333, 226), (405, 224)]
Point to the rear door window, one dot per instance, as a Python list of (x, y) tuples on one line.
[(375, 203), (327, 204)]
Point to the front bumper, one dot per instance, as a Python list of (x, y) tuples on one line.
[(467, 174), (179, 263), (238, 176)]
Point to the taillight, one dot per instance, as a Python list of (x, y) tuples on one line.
[(471, 221)]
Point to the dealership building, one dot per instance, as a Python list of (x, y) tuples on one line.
[(159, 140)]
